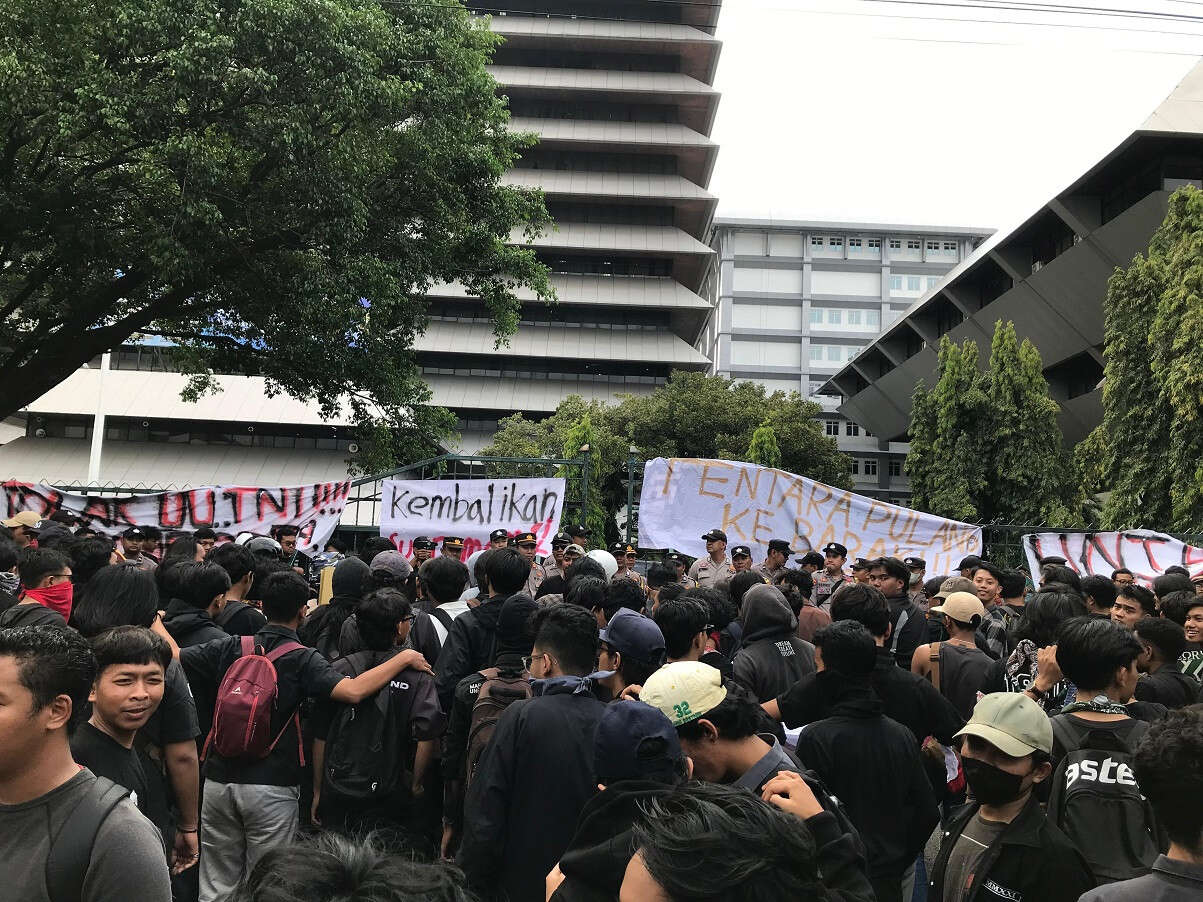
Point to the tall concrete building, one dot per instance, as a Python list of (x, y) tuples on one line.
[(620, 95), (794, 301)]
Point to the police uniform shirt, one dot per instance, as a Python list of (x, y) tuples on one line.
[(535, 579), (706, 572)]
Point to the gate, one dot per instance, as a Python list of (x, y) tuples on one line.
[(362, 514)]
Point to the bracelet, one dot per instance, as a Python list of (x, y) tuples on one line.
[(187, 830)]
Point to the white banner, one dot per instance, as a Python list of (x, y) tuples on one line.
[(471, 509), (1145, 553), (314, 509), (683, 498)]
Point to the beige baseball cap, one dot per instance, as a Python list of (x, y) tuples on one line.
[(954, 584), (575, 549), (1012, 723), (684, 690), (961, 607), (28, 519)]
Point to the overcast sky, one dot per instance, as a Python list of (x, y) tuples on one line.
[(852, 109)]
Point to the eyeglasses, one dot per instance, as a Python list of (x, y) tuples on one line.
[(528, 660), (410, 617)]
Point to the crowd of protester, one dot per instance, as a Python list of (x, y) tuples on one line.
[(215, 717)]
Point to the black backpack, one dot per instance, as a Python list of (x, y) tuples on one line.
[(496, 693), (364, 757), (71, 847), (1096, 802)]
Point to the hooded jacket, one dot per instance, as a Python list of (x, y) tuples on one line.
[(873, 765), (189, 625), (909, 629), (471, 645), (772, 658), (323, 627), (31, 615)]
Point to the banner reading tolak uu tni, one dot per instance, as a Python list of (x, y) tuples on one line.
[(683, 498), (470, 509)]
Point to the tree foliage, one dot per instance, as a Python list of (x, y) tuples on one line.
[(763, 449), (986, 445), (272, 185), (691, 415), (1152, 466)]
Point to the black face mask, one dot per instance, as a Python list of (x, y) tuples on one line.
[(989, 784)]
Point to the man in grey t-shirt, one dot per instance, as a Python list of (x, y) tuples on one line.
[(45, 677)]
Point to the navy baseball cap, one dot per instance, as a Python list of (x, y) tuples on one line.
[(561, 540), (915, 563), (424, 543), (635, 741), (780, 545), (741, 551), (499, 534), (835, 548), (630, 633)]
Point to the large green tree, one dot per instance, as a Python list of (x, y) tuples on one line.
[(692, 415), (272, 185), (1152, 461)]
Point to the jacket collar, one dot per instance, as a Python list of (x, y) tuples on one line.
[(1025, 830), (282, 632)]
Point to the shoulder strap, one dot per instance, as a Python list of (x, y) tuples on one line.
[(281, 650), (934, 648), (71, 848), (903, 617), (247, 644), (1065, 734), (443, 617), (227, 612)]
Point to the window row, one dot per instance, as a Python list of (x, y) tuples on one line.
[(855, 319), (913, 284), (833, 353)]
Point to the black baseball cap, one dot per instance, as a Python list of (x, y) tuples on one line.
[(635, 741), (674, 557), (424, 543), (1053, 559), (135, 532), (631, 633), (499, 534), (970, 560), (453, 542), (915, 563), (860, 564), (525, 538), (623, 548), (835, 548), (740, 551), (578, 529), (715, 535), (561, 540), (780, 545)]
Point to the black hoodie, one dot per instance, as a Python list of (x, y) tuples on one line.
[(772, 658), (31, 615), (189, 625)]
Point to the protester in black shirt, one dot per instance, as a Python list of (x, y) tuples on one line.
[(908, 627), (536, 774), (1163, 642), (1099, 595), (46, 596), (251, 805), (197, 592), (236, 616), (10, 582), (682, 622), (323, 628), (772, 657), (632, 648), (130, 666), (870, 762)]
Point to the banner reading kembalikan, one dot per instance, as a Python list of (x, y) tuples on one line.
[(683, 498), (1145, 553), (470, 509), (314, 509)]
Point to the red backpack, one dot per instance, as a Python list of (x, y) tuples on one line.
[(246, 700)]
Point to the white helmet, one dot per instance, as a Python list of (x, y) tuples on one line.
[(607, 561), (471, 565)]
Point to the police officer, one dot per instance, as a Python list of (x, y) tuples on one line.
[(774, 563), (453, 547), (716, 565), (553, 563), (579, 533), (833, 575), (860, 571), (423, 551), (741, 558), (627, 554), (918, 568), (677, 561), (527, 546), (499, 538)]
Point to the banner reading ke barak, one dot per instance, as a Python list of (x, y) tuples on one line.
[(683, 498)]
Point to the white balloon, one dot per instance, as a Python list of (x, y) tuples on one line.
[(606, 560)]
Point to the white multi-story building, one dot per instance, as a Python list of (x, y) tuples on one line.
[(796, 301)]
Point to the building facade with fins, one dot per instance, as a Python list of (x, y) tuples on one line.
[(794, 301), (1048, 276), (620, 97)]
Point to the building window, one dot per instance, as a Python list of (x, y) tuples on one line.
[(950, 245), (851, 428), (831, 427), (875, 244), (855, 467), (816, 352), (895, 467), (873, 318), (834, 317), (816, 316), (816, 240), (854, 242), (835, 242), (833, 353), (895, 244), (854, 317), (869, 466), (914, 244), (932, 282), (913, 283), (895, 283)]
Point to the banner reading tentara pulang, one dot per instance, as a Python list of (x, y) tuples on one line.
[(683, 498), (470, 509), (1145, 553), (314, 509)]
